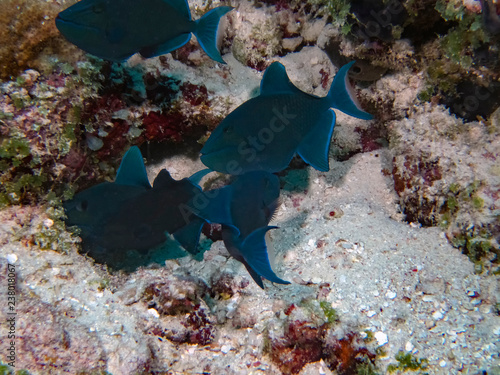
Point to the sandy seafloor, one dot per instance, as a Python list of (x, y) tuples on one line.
[(403, 283)]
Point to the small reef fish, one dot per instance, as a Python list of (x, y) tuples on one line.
[(130, 214), (116, 29), (265, 132), (244, 209)]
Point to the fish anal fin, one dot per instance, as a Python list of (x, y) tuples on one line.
[(315, 145), (132, 171), (189, 235), (169, 46), (254, 251)]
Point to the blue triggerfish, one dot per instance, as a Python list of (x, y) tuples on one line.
[(265, 132), (244, 208), (130, 214), (116, 29), (490, 17)]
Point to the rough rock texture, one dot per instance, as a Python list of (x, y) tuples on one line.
[(446, 172)]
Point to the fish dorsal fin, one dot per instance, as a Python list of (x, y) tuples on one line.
[(181, 6), (164, 180), (275, 80), (132, 171)]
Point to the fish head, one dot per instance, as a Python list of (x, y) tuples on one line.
[(96, 26), (224, 136), (93, 207), (222, 151)]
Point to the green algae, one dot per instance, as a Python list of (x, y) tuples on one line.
[(338, 10), (7, 370), (330, 313), (406, 361)]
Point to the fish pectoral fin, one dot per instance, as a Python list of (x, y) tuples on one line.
[(132, 171), (181, 6), (167, 47), (315, 145), (189, 235), (275, 80), (254, 251)]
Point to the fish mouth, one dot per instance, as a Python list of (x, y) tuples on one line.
[(65, 22)]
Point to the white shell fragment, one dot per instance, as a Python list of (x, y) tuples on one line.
[(381, 338), (390, 294)]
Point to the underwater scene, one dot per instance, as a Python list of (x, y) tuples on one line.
[(250, 187)]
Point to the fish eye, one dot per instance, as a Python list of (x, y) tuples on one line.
[(228, 130), (356, 69), (82, 206), (98, 8)]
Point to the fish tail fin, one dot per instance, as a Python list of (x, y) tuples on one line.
[(254, 251), (206, 31), (197, 177), (343, 97)]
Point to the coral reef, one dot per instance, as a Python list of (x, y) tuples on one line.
[(181, 298), (307, 336), (440, 184), (27, 33)]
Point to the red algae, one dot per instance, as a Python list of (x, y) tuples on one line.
[(162, 127), (305, 340), (195, 94), (116, 141), (324, 78)]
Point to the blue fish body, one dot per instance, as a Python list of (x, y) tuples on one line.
[(116, 29), (244, 209), (265, 132), (130, 214), (491, 19)]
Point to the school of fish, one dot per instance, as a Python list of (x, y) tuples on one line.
[(257, 139)]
